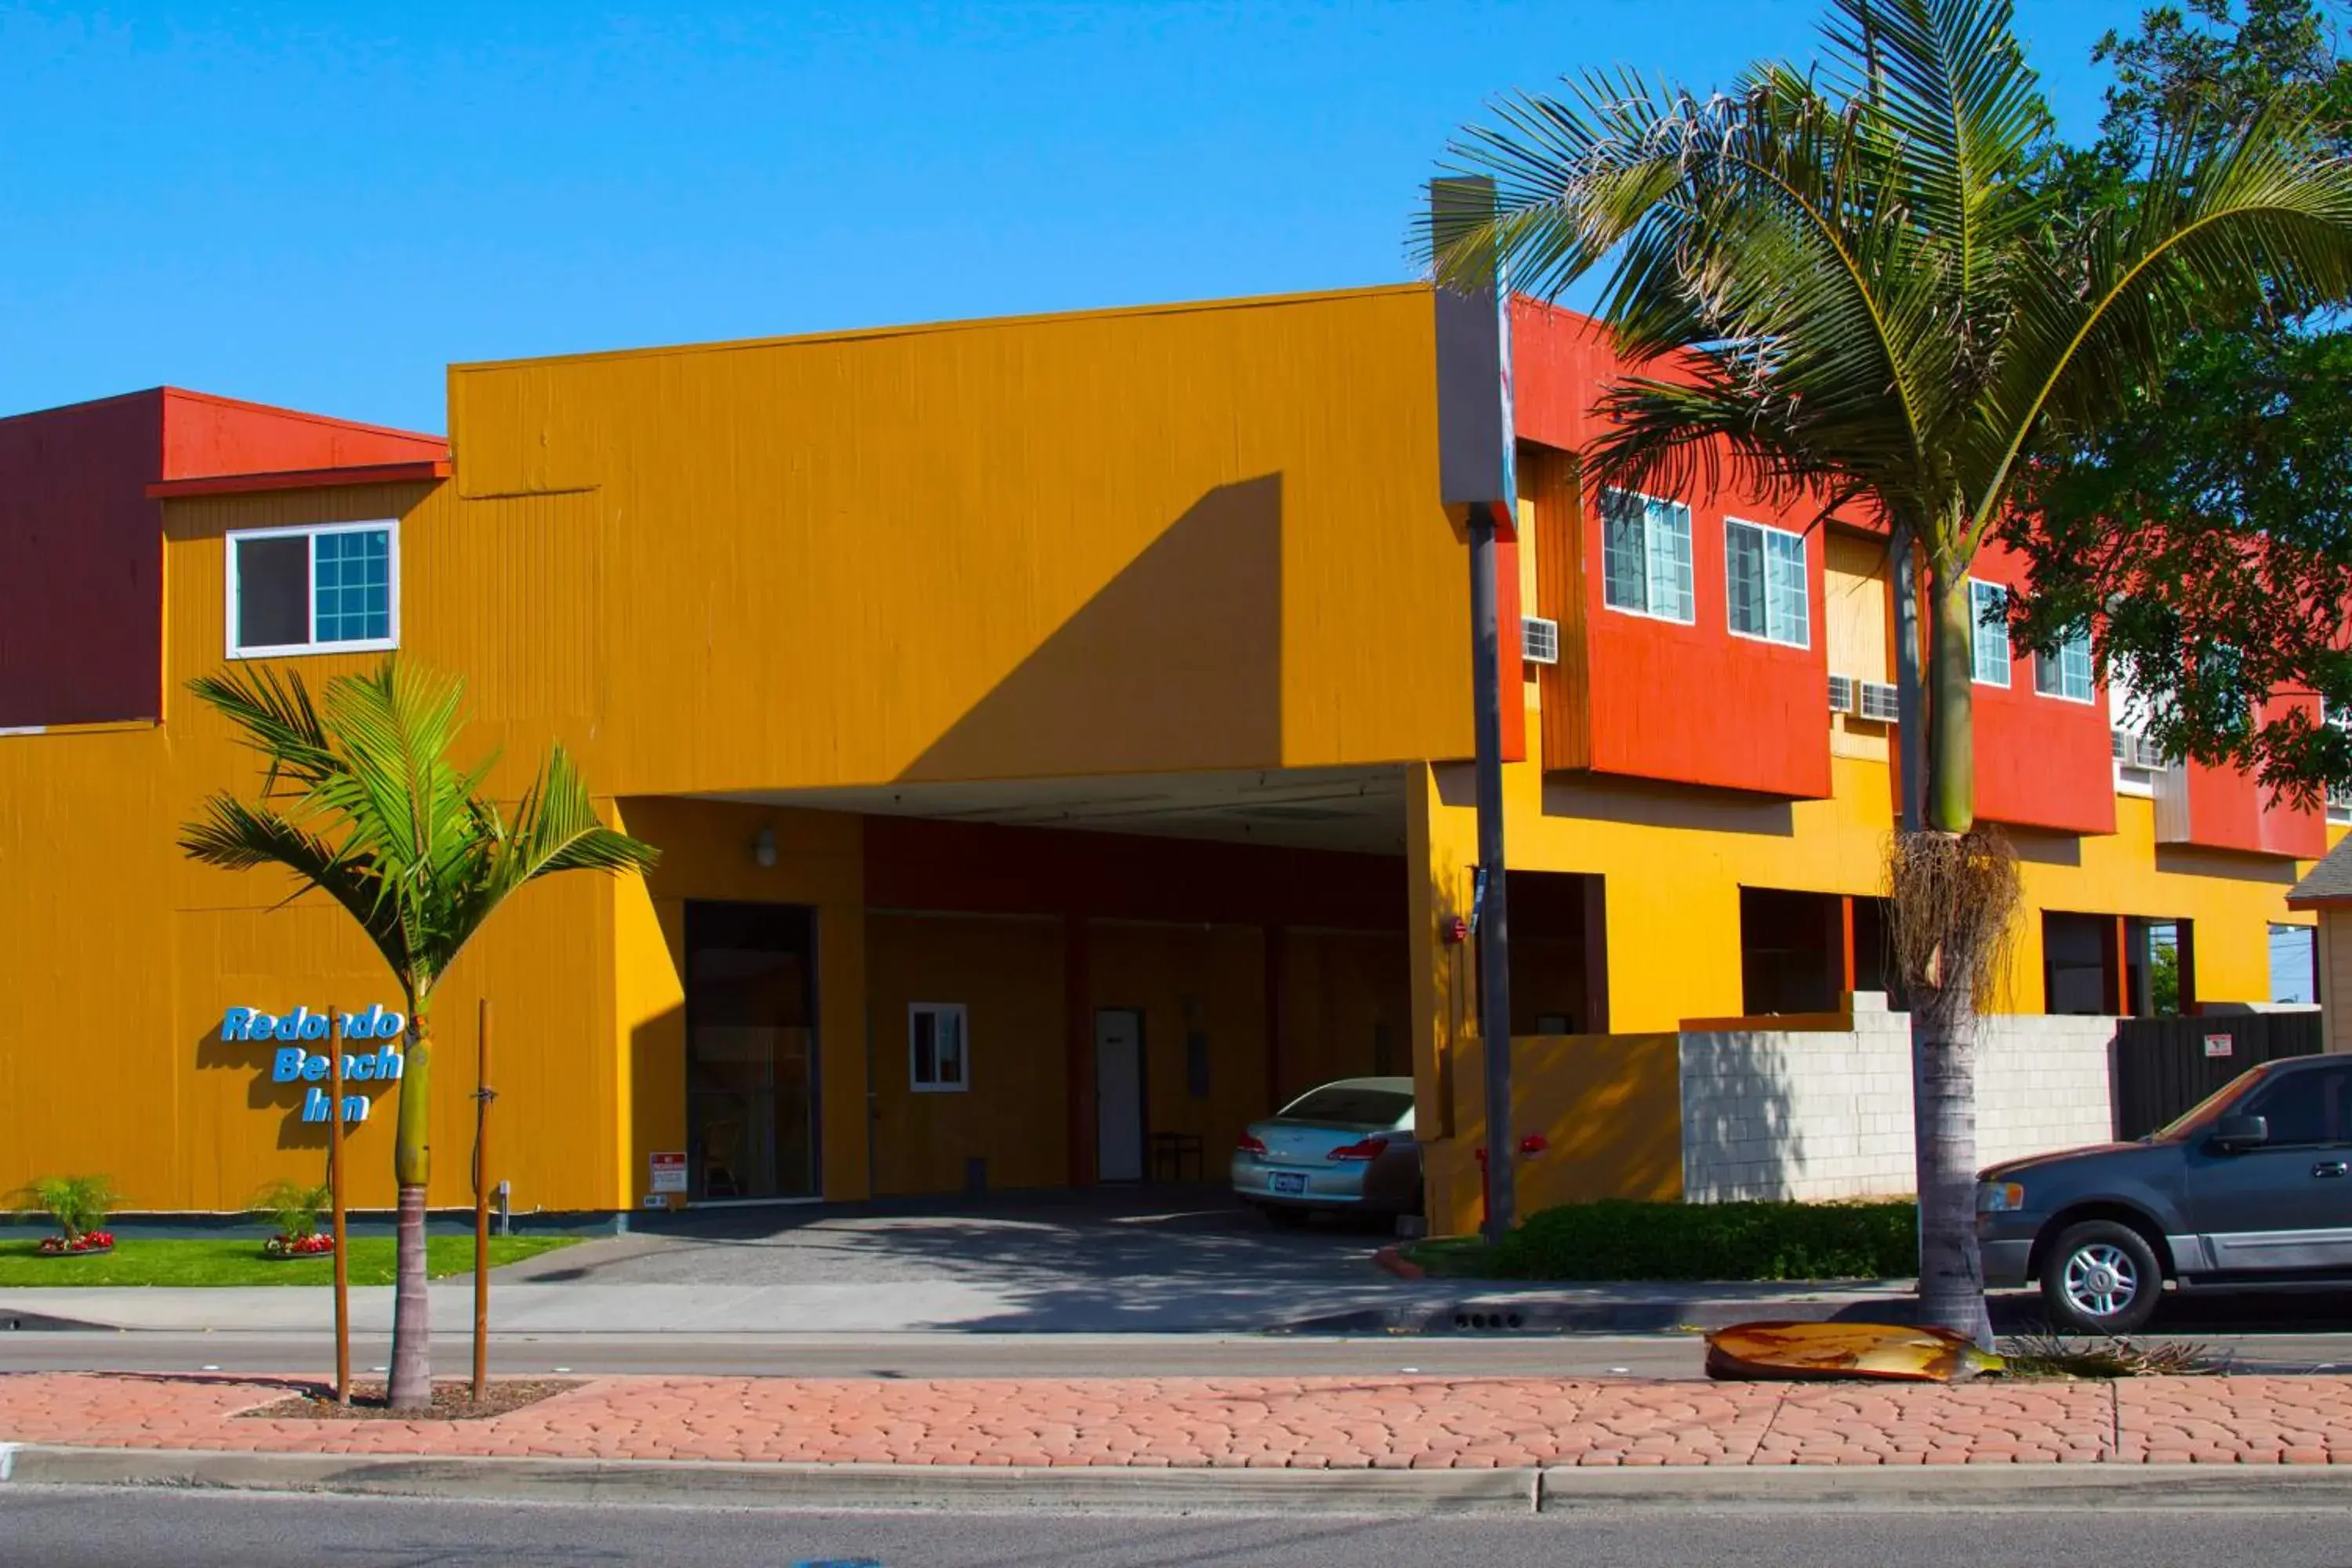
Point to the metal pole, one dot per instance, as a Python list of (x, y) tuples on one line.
[(1911, 729), (483, 1095), (335, 1023), (1493, 920)]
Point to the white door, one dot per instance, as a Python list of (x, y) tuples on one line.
[(1118, 1096)]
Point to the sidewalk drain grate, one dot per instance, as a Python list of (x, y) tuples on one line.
[(1488, 1320)]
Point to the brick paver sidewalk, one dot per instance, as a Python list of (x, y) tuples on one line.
[(1317, 1423)]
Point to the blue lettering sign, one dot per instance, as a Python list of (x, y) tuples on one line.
[(286, 1067), (235, 1022)]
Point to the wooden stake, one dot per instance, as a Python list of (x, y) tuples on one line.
[(483, 1095), (335, 1202)]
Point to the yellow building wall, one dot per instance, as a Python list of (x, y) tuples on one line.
[(1133, 539), (708, 853), (1007, 972)]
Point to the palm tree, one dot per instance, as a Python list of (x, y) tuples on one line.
[(363, 801), (1857, 284)]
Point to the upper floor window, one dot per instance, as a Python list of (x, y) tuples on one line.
[(1646, 556), (1989, 632), (333, 587), (1769, 589), (2067, 672)]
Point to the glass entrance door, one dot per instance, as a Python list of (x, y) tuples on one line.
[(751, 1050)]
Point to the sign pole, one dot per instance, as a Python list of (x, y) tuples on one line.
[(483, 1095), (1478, 471), (335, 1201)]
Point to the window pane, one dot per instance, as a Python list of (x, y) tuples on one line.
[(1625, 583), (1670, 559), (1743, 573), (1350, 1105), (354, 586), (1789, 589), (273, 600), (951, 1029), (927, 1048), (1989, 632), (2075, 665)]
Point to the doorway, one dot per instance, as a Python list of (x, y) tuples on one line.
[(751, 1051), (1119, 1095)]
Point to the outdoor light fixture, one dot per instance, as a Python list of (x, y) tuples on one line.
[(764, 849)]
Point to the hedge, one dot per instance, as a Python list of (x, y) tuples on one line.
[(1621, 1240)]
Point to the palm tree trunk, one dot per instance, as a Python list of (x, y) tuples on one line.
[(412, 1328), (1951, 736), (1943, 1005)]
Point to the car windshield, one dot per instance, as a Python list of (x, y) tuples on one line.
[(2205, 1109), (1350, 1105)]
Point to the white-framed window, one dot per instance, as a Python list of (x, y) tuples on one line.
[(323, 588), (2067, 673), (1768, 589), (1989, 632), (1646, 550), (938, 1049)]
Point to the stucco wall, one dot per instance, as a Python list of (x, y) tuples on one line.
[(1815, 1115)]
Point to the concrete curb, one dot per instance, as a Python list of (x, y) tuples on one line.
[(1518, 1314), (1739, 1489)]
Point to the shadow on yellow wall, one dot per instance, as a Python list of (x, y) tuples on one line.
[(1175, 664), (1608, 1108)]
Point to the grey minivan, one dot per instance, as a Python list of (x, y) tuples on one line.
[(2248, 1191)]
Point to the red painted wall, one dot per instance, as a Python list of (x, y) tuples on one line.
[(81, 546), (1695, 703), (2041, 761), (206, 436), (2228, 809), (82, 561)]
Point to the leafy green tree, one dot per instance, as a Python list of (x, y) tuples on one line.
[(360, 800), (1856, 281), (2204, 530)]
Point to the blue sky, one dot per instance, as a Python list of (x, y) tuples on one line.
[(323, 205)]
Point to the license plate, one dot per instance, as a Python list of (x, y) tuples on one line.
[(1289, 1181)]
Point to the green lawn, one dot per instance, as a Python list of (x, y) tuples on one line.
[(190, 1260)]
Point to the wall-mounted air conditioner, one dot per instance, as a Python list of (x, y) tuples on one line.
[(1880, 703), (1538, 640), (1842, 693)]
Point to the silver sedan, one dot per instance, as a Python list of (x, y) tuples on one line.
[(1346, 1146)]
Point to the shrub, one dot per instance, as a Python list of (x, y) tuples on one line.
[(78, 1204), (293, 1206), (1623, 1241)]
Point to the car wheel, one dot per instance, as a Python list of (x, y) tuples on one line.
[(2101, 1278)]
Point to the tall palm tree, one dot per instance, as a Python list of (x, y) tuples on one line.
[(360, 800), (1855, 283)]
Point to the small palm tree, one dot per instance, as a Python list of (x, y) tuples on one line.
[(1857, 283), (361, 801)]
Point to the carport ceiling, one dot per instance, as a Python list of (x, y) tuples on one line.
[(1310, 808)]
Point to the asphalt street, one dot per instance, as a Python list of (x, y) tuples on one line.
[(71, 1527)]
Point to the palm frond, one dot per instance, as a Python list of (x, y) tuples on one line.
[(276, 718), (2265, 213), (235, 836)]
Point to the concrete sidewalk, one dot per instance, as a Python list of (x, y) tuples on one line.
[(1184, 1304), (1379, 1424)]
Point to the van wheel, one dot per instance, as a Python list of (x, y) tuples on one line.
[(2101, 1278)]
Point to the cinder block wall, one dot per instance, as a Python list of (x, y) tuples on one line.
[(1818, 1115)]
